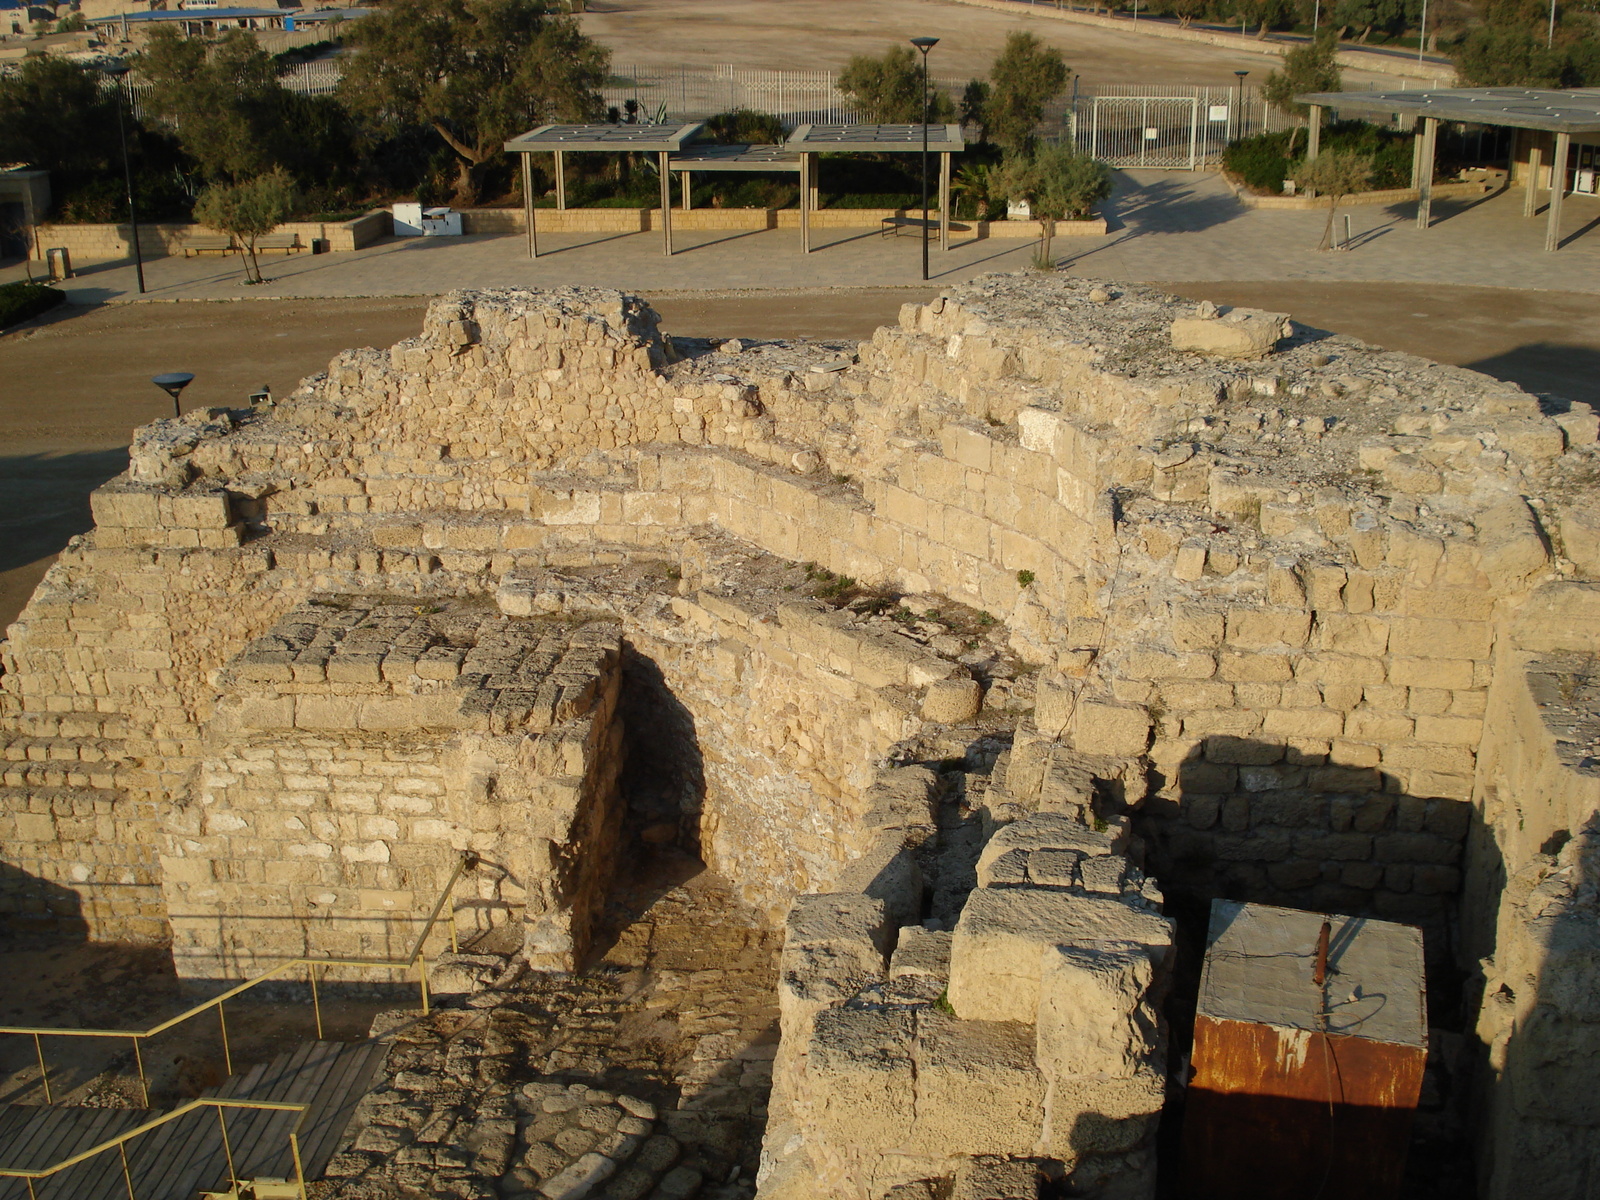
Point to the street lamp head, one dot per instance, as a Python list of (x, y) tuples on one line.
[(1241, 75), (924, 43), (116, 67), (173, 383)]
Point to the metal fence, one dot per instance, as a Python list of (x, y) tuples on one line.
[(1176, 128)]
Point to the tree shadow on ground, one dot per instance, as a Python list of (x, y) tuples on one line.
[(1168, 206)]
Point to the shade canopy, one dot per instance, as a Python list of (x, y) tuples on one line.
[(615, 138), (876, 139), (1575, 110), (736, 158)]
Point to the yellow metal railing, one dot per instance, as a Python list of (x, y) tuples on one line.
[(314, 966), (120, 1143)]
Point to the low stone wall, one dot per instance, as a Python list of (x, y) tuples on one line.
[(636, 220), (94, 243), (1441, 191)]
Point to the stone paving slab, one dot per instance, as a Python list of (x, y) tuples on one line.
[(1165, 225)]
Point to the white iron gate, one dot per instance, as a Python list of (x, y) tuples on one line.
[(1141, 131), (1172, 128)]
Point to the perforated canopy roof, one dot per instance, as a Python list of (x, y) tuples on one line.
[(711, 157), (1575, 110), (876, 138), (604, 137)]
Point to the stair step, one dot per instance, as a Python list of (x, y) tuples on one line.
[(185, 1155)]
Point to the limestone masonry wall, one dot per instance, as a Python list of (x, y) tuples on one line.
[(1289, 591)]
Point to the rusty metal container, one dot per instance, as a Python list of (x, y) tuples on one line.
[(1304, 1080)]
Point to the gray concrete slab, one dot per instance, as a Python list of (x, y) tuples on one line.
[(1261, 960)]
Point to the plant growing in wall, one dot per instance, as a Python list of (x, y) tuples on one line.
[(248, 211)]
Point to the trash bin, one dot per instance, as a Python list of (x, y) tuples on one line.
[(60, 263)]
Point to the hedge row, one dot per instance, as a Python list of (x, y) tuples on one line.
[(19, 301), (1263, 161)]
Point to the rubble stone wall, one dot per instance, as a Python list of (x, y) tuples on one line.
[(1279, 571)]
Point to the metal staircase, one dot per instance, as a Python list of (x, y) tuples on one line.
[(228, 1135)]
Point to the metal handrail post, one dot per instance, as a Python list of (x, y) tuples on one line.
[(299, 1167), (44, 1075), (144, 1083), (227, 1053), (316, 1003), (122, 1148), (227, 1148)]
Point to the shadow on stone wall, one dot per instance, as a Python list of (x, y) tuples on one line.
[(32, 908), (663, 779), (1539, 1029), (663, 789), (1259, 821)]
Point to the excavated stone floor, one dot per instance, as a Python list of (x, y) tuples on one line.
[(674, 1025)]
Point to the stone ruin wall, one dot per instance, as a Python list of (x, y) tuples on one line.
[(1294, 590)]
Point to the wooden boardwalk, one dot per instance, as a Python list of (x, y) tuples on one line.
[(184, 1156)]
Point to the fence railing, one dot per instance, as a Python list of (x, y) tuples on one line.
[(314, 968), (120, 1144)]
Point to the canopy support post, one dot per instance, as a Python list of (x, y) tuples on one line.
[(1558, 186), (527, 205), (944, 200)]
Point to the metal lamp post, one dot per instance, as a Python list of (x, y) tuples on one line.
[(924, 44), (173, 384), (119, 72), (1239, 75)]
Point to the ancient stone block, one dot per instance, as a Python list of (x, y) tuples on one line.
[(995, 953)]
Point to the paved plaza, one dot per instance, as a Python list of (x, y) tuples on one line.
[(1164, 225)]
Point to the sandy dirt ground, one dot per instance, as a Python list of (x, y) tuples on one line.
[(807, 35), (75, 386)]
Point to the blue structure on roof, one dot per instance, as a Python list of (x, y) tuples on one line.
[(191, 14)]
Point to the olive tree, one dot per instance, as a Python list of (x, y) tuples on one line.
[(248, 211), (1310, 68), (1025, 77), (476, 72), (1058, 183), (1334, 174), (888, 90)]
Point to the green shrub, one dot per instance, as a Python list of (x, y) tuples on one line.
[(744, 126), (1262, 163), (19, 301), (1259, 161)]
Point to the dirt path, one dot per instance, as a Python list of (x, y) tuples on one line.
[(73, 388)]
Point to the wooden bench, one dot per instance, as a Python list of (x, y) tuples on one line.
[(287, 242), (198, 243)]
